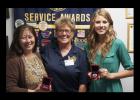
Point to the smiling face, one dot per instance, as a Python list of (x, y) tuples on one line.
[(65, 28), (101, 25), (64, 34), (27, 40)]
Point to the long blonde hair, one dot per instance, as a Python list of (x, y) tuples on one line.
[(93, 36)]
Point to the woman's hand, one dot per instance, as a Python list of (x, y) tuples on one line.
[(39, 88), (43, 89), (104, 73), (36, 89)]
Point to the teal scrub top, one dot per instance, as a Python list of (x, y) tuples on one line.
[(117, 54)]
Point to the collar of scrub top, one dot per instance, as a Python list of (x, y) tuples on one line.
[(56, 48)]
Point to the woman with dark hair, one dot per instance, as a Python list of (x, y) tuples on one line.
[(24, 68), (107, 52)]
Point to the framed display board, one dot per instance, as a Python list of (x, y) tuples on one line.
[(130, 39), (129, 13)]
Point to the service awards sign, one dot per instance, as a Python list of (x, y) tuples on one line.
[(43, 19)]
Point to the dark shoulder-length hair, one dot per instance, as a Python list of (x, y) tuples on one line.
[(15, 48)]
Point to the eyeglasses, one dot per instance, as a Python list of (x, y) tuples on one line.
[(66, 31)]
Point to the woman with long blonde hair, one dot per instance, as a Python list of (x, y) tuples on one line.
[(107, 51)]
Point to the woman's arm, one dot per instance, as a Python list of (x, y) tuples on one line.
[(117, 75), (125, 60), (13, 76), (83, 65), (121, 74), (82, 88)]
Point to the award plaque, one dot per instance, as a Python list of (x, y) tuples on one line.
[(95, 71), (46, 83)]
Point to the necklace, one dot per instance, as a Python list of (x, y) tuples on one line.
[(34, 70)]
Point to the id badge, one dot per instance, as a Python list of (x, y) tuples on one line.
[(69, 62)]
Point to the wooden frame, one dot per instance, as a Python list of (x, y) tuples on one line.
[(129, 13), (130, 38)]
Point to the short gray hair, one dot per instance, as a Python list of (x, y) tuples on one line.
[(65, 21)]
